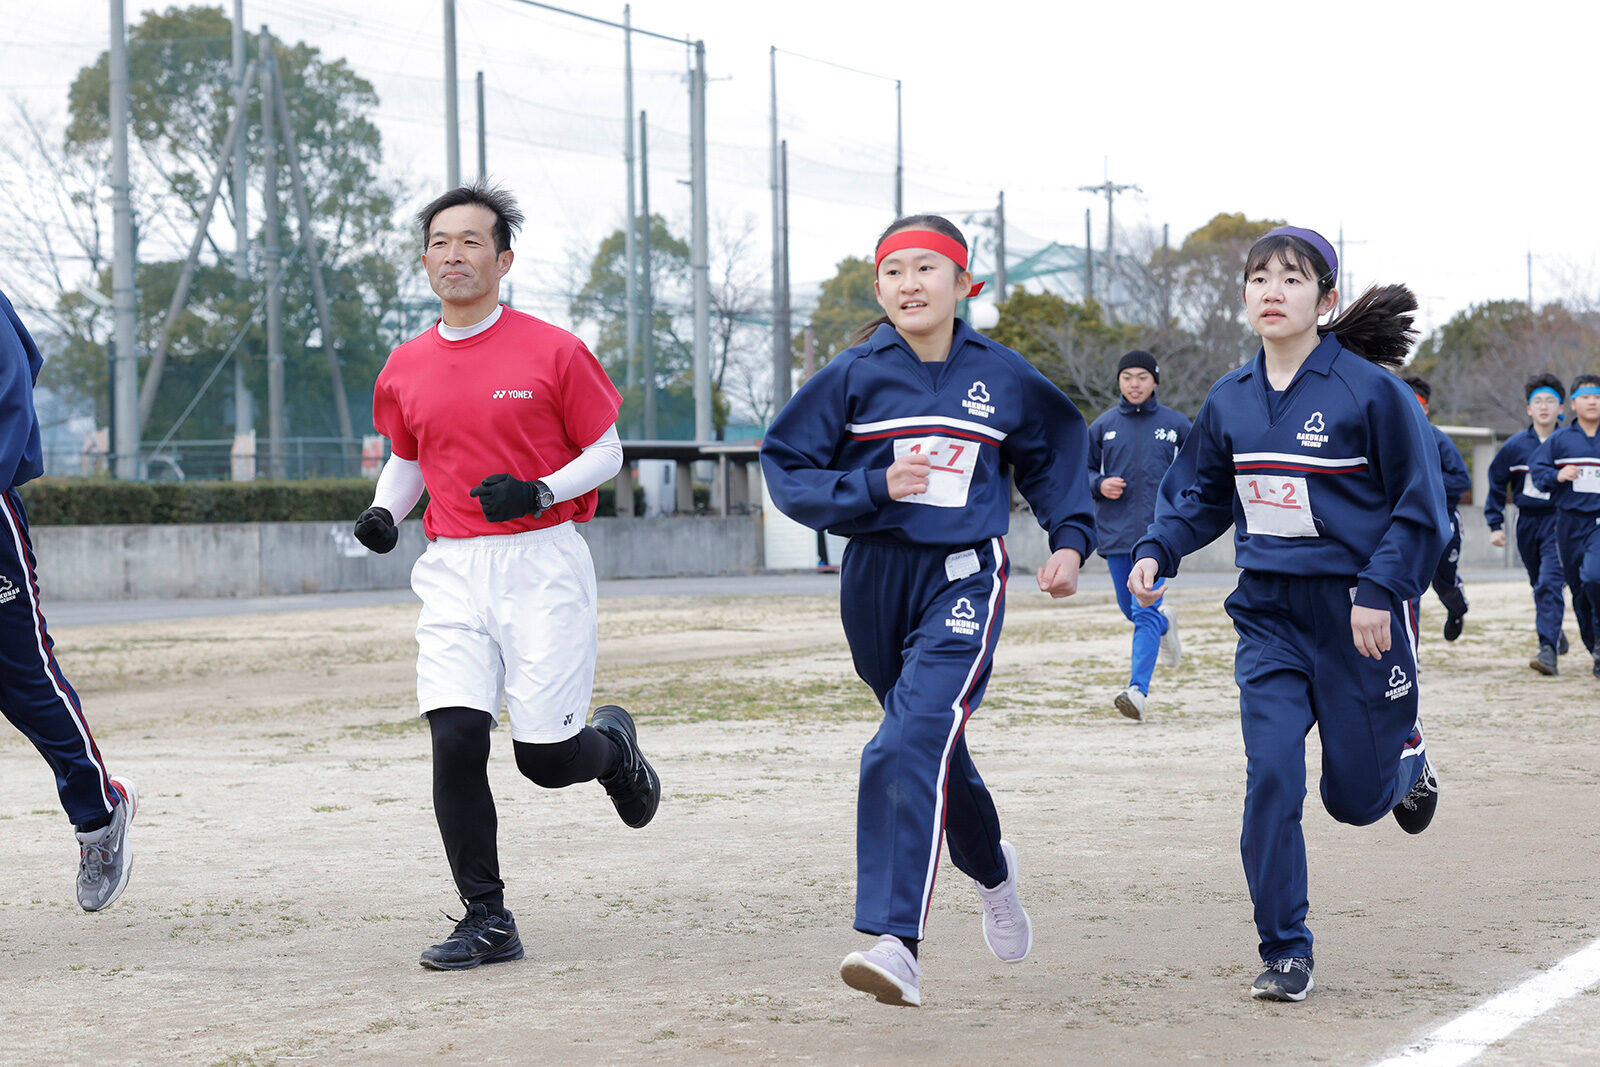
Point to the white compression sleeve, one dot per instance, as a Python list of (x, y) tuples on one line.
[(598, 463), (399, 488)]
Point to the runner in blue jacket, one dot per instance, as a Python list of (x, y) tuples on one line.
[(1536, 516), (1567, 466), (1323, 464), (1457, 483), (906, 444), (1130, 448), (34, 694)]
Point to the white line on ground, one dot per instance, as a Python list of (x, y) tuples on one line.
[(1463, 1039)]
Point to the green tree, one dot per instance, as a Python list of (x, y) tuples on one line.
[(180, 64), (845, 305), (602, 300), (1072, 344), (1477, 362)]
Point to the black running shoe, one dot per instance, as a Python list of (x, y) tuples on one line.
[(1453, 623), (1545, 661), (1563, 648), (1288, 979), (1415, 812), (478, 938), (633, 787), (1597, 664)]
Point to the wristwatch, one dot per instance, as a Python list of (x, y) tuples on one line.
[(543, 496)]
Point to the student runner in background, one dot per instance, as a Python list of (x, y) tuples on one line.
[(34, 694), (510, 424), (1447, 576), (1130, 448), (1324, 465), (1536, 516), (906, 444), (1567, 466)]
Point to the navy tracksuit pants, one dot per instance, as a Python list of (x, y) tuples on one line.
[(1578, 537), (1446, 577), (34, 694), (922, 630), (1541, 555), (1296, 666)]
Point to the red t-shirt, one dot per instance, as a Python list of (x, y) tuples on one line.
[(521, 398)]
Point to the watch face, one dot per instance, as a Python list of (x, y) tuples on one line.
[(546, 498)]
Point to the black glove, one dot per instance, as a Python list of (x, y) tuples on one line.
[(505, 498), (375, 529)]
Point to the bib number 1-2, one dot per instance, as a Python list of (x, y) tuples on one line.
[(1275, 505), (952, 462)]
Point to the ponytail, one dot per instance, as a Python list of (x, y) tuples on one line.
[(864, 333), (1378, 325)]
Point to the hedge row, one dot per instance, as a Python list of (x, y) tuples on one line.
[(106, 502)]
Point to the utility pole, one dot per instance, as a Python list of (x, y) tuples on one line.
[(699, 255), (1111, 189), (630, 285), (243, 416), (452, 121), (1166, 278), (125, 384), (786, 327), (1000, 250), (649, 316), (900, 158), (1088, 257), (1530, 281), (780, 332), (483, 135), (272, 260)]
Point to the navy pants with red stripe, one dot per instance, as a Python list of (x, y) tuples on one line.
[(1297, 665), (922, 623), (34, 694)]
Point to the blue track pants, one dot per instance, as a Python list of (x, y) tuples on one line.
[(34, 694), (1446, 576), (1541, 555), (1578, 536), (1296, 666), (1148, 623), (922, 628)]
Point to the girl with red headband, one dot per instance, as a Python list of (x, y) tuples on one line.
[(1325, 466), (906, 444)]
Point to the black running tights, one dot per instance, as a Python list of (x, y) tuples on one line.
[(464, 805)]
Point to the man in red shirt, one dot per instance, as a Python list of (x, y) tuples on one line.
[(510, 424)]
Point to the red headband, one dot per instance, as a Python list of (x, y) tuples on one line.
[(933, 241)]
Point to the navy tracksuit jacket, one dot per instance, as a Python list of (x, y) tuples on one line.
[(1334, 493), (922, 588), (34, 694), (1446, 579), (1577, 518), (1536, 529)]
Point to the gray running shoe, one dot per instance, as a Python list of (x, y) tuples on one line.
[(1288, 979), (104, 855)]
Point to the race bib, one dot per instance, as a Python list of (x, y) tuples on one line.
[(1275, 504), (953, 461), (1531, 491), (1588, 480)]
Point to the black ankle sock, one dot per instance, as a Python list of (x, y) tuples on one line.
[(910, 943), (95, 824)]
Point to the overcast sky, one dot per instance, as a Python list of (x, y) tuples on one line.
[(1447, 143)]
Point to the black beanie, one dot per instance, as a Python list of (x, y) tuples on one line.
[(1143, 360)]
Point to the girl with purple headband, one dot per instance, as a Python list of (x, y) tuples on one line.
[(1323, 464)]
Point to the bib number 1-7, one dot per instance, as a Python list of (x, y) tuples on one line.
[(952, 462), (1275, 505)]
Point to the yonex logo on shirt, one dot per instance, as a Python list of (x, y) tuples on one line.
[(963, 618), (513, 394), (1399, 684), (1313, 437), (977, 401)]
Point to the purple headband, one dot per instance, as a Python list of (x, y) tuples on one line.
[(1315, 240)]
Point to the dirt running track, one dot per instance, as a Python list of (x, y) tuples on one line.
[(289, 871)]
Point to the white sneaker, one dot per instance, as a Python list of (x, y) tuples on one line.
[(1171, 653), (1006, 928), (887, 970), (1131, 703)]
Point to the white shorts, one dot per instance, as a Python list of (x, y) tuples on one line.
[(512, 613)]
